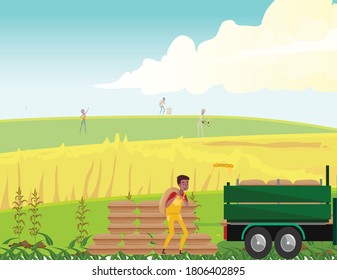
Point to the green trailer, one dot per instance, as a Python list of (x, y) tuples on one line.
[(285, 214)]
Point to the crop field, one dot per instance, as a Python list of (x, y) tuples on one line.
[(138, 159), (149, 167)]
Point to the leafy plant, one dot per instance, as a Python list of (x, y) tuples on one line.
[(129, 196), (47, 238), (19, 213), (138, 257), (81, 212), (192, 197), (36, 225)]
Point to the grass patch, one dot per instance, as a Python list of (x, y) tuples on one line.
[(225, 252), (31, 133)]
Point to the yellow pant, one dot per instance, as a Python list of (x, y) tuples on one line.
[(170, 219)]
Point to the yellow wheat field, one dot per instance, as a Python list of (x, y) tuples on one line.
[(148, 167)]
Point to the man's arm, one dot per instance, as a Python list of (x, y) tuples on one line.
[(169, 201)]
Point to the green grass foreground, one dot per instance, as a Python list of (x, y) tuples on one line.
[(58, 221), (314, 251), (47, 133)]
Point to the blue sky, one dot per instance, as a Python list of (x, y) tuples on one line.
[(53, 53)]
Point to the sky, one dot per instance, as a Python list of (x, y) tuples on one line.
[(252, 58)]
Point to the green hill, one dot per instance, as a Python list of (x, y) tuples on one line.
[(52, 132)]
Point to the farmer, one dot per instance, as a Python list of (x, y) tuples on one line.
[(173, 206), (161, 105), (83, 121), (201, 123)]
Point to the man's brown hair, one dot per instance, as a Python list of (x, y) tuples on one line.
[(182, 177)]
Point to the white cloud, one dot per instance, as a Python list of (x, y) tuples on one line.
[(294, 48), (328, 43)]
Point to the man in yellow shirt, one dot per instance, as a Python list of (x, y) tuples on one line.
[(173, 206)]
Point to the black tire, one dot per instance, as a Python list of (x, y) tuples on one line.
[(258, 242), (288, 242)]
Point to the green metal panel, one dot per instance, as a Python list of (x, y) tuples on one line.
[(277, 194), (334, 221), (277, 212)]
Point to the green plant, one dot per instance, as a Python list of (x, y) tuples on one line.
[(47, 238), (19, 213), (36, 225), (129, 196), (192, 197), (81, 212)]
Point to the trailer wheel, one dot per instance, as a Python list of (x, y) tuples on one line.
[(288, 242), (258, 242)]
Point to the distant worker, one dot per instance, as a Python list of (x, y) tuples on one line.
[(201, 123), (161, 105), (83, 120)]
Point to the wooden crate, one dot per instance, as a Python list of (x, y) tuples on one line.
[(143, 249), (122, 218), (137, 239), (122, 206), (150, 235), (95, 249), (107, 239), (122, 228)]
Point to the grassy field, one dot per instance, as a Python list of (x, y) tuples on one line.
[(147, 162), (46, 133)]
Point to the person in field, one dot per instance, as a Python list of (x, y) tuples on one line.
[(83, 120), (201, 123), (161, 105), (173, 207)]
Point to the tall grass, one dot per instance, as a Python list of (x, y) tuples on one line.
[(81, 216), (19, 213), (35, 216)]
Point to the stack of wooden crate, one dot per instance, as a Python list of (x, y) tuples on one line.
[(145, 232)]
